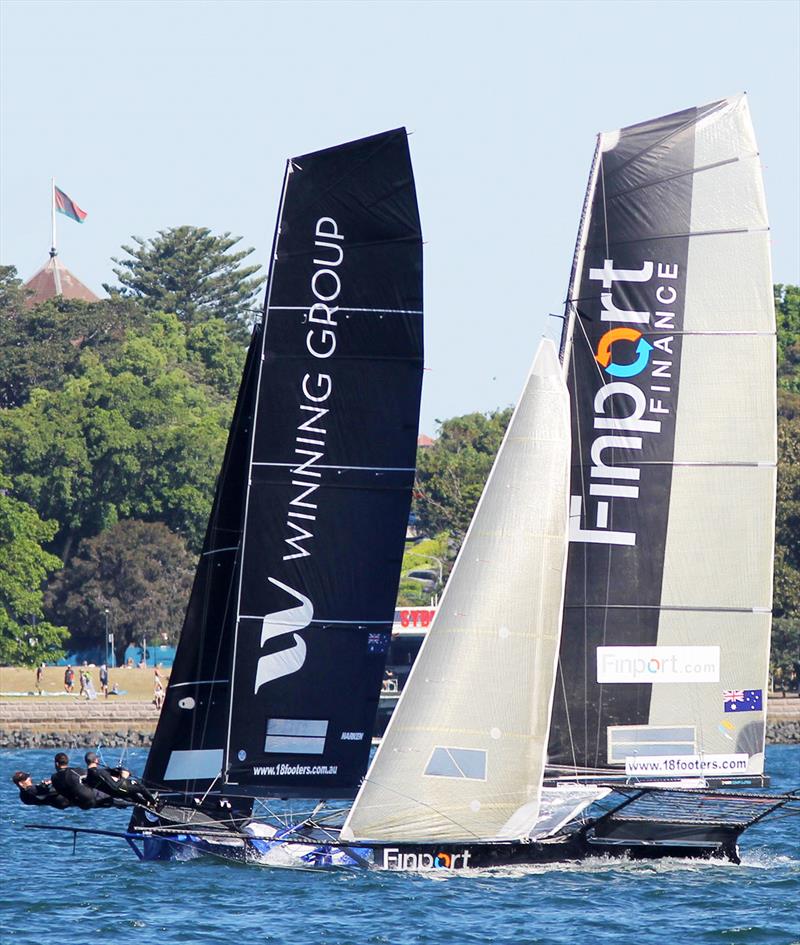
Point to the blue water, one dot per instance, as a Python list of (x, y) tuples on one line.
[(104, 894)]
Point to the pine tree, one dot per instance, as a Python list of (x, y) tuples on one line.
[(191, 272)]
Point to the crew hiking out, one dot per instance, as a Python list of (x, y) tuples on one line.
[(42, 794), (69, 783), (116, 782)]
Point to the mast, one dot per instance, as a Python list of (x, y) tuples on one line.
[(272, 259), (571, 304)]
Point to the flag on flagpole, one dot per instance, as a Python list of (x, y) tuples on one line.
[(68, 207)]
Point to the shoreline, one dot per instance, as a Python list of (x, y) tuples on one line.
[(54, 724)]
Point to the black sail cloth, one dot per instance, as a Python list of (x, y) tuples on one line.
[(639, 216), (278, 672)]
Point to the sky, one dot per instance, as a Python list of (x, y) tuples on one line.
[(157, 114)]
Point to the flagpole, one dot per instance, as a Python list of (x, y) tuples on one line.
[(53, 250)]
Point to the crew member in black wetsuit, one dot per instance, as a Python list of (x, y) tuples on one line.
[(68, 782), (116, 782), (38, 795)]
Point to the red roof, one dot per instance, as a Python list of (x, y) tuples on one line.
[(423, 440), (55, 279)]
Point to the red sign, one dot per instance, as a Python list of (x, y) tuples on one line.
[(417, 617)]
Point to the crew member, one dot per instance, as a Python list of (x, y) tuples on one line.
[(38, 795), (68, 782), (116, 782)]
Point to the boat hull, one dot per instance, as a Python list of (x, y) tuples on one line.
[(448, 857)]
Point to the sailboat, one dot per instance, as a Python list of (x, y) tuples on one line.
[(278, 671), (655, 710), (594, 679), (651, 573)]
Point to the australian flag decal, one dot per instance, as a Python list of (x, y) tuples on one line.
[(743, 700), (378, 642)]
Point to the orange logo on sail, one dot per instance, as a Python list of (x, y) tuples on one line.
[(603, 356)]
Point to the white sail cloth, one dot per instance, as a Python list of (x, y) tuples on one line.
[(464, 753), (717, 588)]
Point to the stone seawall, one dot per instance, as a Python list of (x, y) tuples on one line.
[(783, 721), (72, 724), (55, 724), (783, 732)]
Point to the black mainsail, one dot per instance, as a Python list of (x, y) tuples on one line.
[(283, 698), (670, 359)]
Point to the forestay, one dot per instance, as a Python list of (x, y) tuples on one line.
[(464, 752), (671, 371)]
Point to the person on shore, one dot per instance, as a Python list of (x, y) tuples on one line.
[(69, 783), (42, 794), (39, 675), (158, 691), (69, 679), (116, 782), (104, 679)]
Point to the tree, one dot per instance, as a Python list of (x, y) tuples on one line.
[(451, 474), (787, 316), (25, 639), (141, 572), (215, 357), (136, 437), (786, 594), (12, 292), (192, 273), (785, 648), (787, 523), (42, 346), (429, 554)]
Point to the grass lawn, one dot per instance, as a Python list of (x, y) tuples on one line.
[(138, 683)]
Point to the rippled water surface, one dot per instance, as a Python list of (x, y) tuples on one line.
[(104, 894)]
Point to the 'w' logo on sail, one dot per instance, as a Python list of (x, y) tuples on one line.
[(289, 660)]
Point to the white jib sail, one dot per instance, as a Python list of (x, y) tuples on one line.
[(464, 753)]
